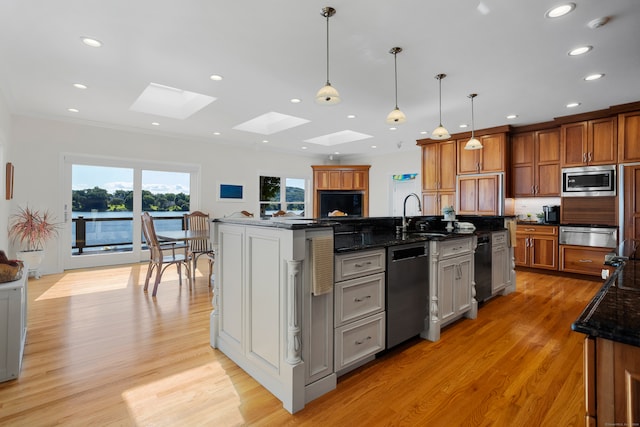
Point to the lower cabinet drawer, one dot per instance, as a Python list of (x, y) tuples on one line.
[(455, 247), (583, 260), (359, 339), (359, 263), (358, 298)]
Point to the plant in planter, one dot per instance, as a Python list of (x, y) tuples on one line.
[(449, 213), (32, 229), (540, 217)]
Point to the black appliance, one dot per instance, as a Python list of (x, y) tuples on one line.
[(482, 261), (551, 214), (589, 181), (407, 291), (349, 202)]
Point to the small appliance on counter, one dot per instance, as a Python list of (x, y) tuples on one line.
[(551, 214)]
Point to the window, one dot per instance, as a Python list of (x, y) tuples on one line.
[(280, 193)]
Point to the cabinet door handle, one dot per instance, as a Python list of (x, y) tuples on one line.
[(362, 265), (533, 189), (586, 260), (362, 341), (537, 189), (590, 156), (357, 299), (584, 157)]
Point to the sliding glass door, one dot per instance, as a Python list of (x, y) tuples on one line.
[(105, 200)]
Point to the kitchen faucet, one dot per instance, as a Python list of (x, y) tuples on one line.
[(404, 210)]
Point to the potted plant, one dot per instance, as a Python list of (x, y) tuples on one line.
[(540, 217), (449, 213), (32, 229)]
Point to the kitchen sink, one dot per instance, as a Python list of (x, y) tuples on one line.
[(426, 234)]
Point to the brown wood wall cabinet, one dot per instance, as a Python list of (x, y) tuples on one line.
[(478, 195), (536, 246), (629, 137), (589, 210), (589, 143), (612, 383), (632, 202), (438, 176), (535, 163), (492, 158), (341, 177)]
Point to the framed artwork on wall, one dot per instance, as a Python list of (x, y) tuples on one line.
[(231, 192), (9, 181)]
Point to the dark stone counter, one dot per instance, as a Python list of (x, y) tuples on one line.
[(614, 312)]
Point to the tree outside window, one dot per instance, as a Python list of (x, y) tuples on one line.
[(279, 193)]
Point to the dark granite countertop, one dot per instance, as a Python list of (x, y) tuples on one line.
[(614, 312), (287, 223)]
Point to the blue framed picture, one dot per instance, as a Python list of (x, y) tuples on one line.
[(231, 192)]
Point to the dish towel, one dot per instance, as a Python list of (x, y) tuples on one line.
[(511, 226), (322, 265)]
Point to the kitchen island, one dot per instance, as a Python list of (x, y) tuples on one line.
[(270, 318), (611, 322)]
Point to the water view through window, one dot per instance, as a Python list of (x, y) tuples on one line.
[(103, 205)]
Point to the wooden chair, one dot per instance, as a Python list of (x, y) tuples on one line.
[(197, 247), (162, 255)]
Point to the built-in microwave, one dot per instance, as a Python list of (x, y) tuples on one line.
[(589, 181)]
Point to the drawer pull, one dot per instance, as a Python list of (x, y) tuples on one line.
[(356, 299), (362, 265), (529, 229), (358, 342), (586, 260)]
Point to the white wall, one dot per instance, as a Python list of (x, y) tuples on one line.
[(5, 156), (382, 169), (38, 144)]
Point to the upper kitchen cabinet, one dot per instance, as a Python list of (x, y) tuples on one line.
[(490, 159), (341, 177), (629, 137), (591, 142), (438, 176), (535, 161), (438, 166), (478, 195)]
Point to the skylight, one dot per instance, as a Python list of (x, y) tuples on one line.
[(170, 102), (338, 138), (270, 123)]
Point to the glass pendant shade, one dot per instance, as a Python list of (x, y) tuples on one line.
[(440, 133), (396, 117), (328, 95), (473, 143)]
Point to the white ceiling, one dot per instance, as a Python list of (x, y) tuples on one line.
[(268, 52)]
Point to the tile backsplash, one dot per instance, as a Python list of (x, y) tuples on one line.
[(532, 205)]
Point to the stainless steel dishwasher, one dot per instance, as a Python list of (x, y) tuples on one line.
[(482, 260), (407, 291)]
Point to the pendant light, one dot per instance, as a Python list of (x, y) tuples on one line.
[(328, 95), (396, 117), (473, 143), (440, 132)]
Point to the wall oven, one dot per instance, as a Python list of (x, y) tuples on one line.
[(589, 181)]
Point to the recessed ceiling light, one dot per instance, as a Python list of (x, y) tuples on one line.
[(351, 116), (594, 77), (464, 125), (79, 86), (558, 11), (91, 42), (573, 104), (423, 132), (374, 146), (73, 110), (215, 77), (155, 123), (216, 133), (295, 100), (265, 141), (512, 116), (304, 147), (336, 152), (392, 128), (580, 50)]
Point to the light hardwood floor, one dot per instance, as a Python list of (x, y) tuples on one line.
[(102, 352)]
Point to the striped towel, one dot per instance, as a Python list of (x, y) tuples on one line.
[(322, 265)]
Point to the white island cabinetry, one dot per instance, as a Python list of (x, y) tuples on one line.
[(451, 284), (265, 317)]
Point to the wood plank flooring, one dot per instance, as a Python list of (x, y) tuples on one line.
[(101, 352)]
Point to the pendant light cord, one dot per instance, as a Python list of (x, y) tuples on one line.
[(473, 122), (395, 66), (328, 50), (440, 99)]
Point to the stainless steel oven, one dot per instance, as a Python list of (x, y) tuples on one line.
[(589, 181)]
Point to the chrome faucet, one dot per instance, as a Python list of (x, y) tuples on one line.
[(404, 210)]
